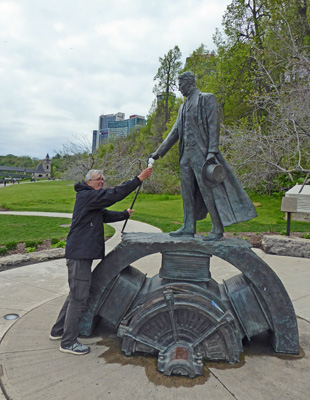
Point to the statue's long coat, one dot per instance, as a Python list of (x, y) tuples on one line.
[(231, 200)]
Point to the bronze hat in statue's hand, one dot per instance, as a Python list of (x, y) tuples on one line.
[(212, 173)]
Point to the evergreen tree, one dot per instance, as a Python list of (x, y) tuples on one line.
[(166, 77)]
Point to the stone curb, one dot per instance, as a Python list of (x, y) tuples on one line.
[(286, 246), (31, 258)]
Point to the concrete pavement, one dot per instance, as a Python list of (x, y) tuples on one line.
[(32, 368)]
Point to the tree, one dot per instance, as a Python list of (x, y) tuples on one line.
[(77, 158), (244, 21), (273, 150), (170, 66), (202, 64)]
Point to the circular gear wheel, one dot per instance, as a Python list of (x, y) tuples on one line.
[(181, 322)]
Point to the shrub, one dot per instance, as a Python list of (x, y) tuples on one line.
[(31, 243), (307, 236), (11, 245), (54, 240), (30, 249), (3, 251), (59, 244)]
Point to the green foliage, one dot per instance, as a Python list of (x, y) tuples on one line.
[(59, 244), (307, 236), (30, 249), (259, 79), (11, 245), (32, 243), (166, 77), (54, 240), (22, 161), (283, 182), (202, 64), (3, 251), (59, 165)]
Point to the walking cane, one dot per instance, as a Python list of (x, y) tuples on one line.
[(150, 163)]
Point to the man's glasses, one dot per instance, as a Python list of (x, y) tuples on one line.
[(98, 179)]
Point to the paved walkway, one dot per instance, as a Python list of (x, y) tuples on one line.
[(32, 368)]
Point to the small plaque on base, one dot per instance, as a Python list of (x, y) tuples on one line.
[(188, 266)]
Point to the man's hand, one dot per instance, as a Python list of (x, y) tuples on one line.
[(145, 173), (130, 211)]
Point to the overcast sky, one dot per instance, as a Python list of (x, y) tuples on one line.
[(65, 62)]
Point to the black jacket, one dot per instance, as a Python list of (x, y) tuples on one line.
[(86, 236)]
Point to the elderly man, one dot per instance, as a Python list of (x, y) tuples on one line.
[(198, 128), (85, 243)]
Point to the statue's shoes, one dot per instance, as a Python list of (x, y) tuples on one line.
[(181, 232), (213, 236)]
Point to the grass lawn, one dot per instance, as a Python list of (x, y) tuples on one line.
[(15, 228), (163, 211), (53, 196), (166, 212), (22, 228)]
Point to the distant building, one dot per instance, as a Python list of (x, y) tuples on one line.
[(100, 135), (123, 128), (43, 170), (118, 128), (115, 125), (136, 121), (94, 141)]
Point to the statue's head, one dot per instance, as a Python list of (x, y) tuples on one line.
[(186, 82)]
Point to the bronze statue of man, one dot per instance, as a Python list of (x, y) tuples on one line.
[(198, 128)]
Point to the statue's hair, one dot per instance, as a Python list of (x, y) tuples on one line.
[(187, 75), (91, 172)]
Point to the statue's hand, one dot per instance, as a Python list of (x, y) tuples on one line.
[(155, 156), (211, 157)]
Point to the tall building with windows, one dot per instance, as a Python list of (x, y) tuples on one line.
[(136, 121), (103, 128), (115, 125), (94, 141), (118, 128)]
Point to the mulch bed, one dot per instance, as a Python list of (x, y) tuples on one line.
[(21, 248)]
